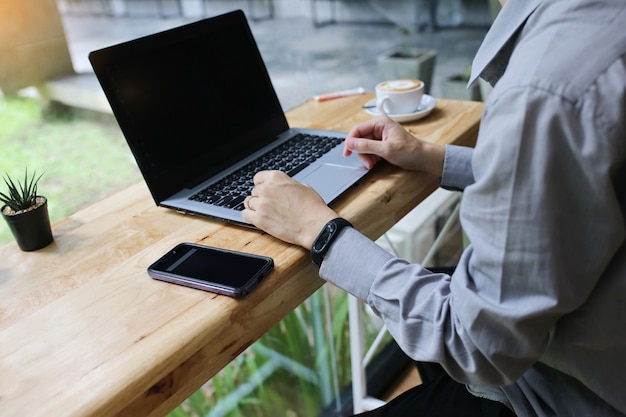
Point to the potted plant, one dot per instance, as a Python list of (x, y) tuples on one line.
[(455, 87), (26, 213), (405, 61)]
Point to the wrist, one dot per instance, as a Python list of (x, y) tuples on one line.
[(433, 156), (326, 238), (313, 230)]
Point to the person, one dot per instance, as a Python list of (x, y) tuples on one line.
[(531, 318)]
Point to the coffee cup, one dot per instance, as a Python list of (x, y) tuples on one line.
[(400, 96)]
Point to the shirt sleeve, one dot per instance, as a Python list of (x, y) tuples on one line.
[(457, 168), (535, 213)]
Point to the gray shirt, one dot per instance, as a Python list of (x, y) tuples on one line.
[(533, 316)]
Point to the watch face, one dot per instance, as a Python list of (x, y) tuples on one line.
[(323, 239)]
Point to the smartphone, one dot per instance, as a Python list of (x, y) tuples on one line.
[(212, 269)]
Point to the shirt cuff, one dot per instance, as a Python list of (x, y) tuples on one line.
[(457, 168), (352, 263)]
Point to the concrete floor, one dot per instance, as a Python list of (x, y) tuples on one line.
[(303, 59)]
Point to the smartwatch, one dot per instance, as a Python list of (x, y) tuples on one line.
[(326, 237)]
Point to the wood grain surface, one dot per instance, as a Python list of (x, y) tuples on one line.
[(85, 332)]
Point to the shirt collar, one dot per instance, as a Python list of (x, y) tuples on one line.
[(510, 19)]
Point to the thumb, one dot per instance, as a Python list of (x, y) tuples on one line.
[(367, 150), (364, 146)]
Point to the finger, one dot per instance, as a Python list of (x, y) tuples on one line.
[(365, 146), (368, 150), (259, 177), (362, 130), (246, 202), (346, 151), (366, 129), (270, 176), (250, 216), (369, 160)]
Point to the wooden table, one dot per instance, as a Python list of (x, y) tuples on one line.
[(85, 332)]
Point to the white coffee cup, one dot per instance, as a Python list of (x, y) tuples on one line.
[(401, 96)]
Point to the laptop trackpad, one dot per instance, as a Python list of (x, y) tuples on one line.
[(329, 180)]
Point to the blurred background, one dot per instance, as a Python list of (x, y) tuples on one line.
[(54, 120)]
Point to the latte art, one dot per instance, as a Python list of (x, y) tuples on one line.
[(399, 96), (397, 86)]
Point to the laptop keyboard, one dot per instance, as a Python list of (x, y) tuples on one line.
[(290, 157)]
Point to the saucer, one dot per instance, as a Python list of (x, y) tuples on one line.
[(426, 106)]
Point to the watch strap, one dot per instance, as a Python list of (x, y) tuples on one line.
[(326, 237)]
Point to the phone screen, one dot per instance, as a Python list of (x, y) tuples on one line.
[(211, 269)]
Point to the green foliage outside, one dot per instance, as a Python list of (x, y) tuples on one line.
[(302, 384), (83, 157)]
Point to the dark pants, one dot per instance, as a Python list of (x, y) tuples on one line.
[(439, 396)]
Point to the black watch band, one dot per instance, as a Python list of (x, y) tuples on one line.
[(326, 237)]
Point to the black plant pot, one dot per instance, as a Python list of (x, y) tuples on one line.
[(31, 229)]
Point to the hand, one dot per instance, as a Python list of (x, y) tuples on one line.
[(381, 137), (286, 209)]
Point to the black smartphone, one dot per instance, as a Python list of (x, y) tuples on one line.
[(212, 269)]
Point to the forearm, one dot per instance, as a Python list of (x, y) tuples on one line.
[(415, 304), (431, 158)]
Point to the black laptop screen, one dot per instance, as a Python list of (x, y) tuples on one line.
[(190, 100)]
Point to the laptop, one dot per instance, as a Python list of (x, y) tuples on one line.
[(196, 106)]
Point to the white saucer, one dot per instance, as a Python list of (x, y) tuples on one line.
[(426, 106)]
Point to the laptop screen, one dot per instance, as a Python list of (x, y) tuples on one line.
[(191, 100)]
